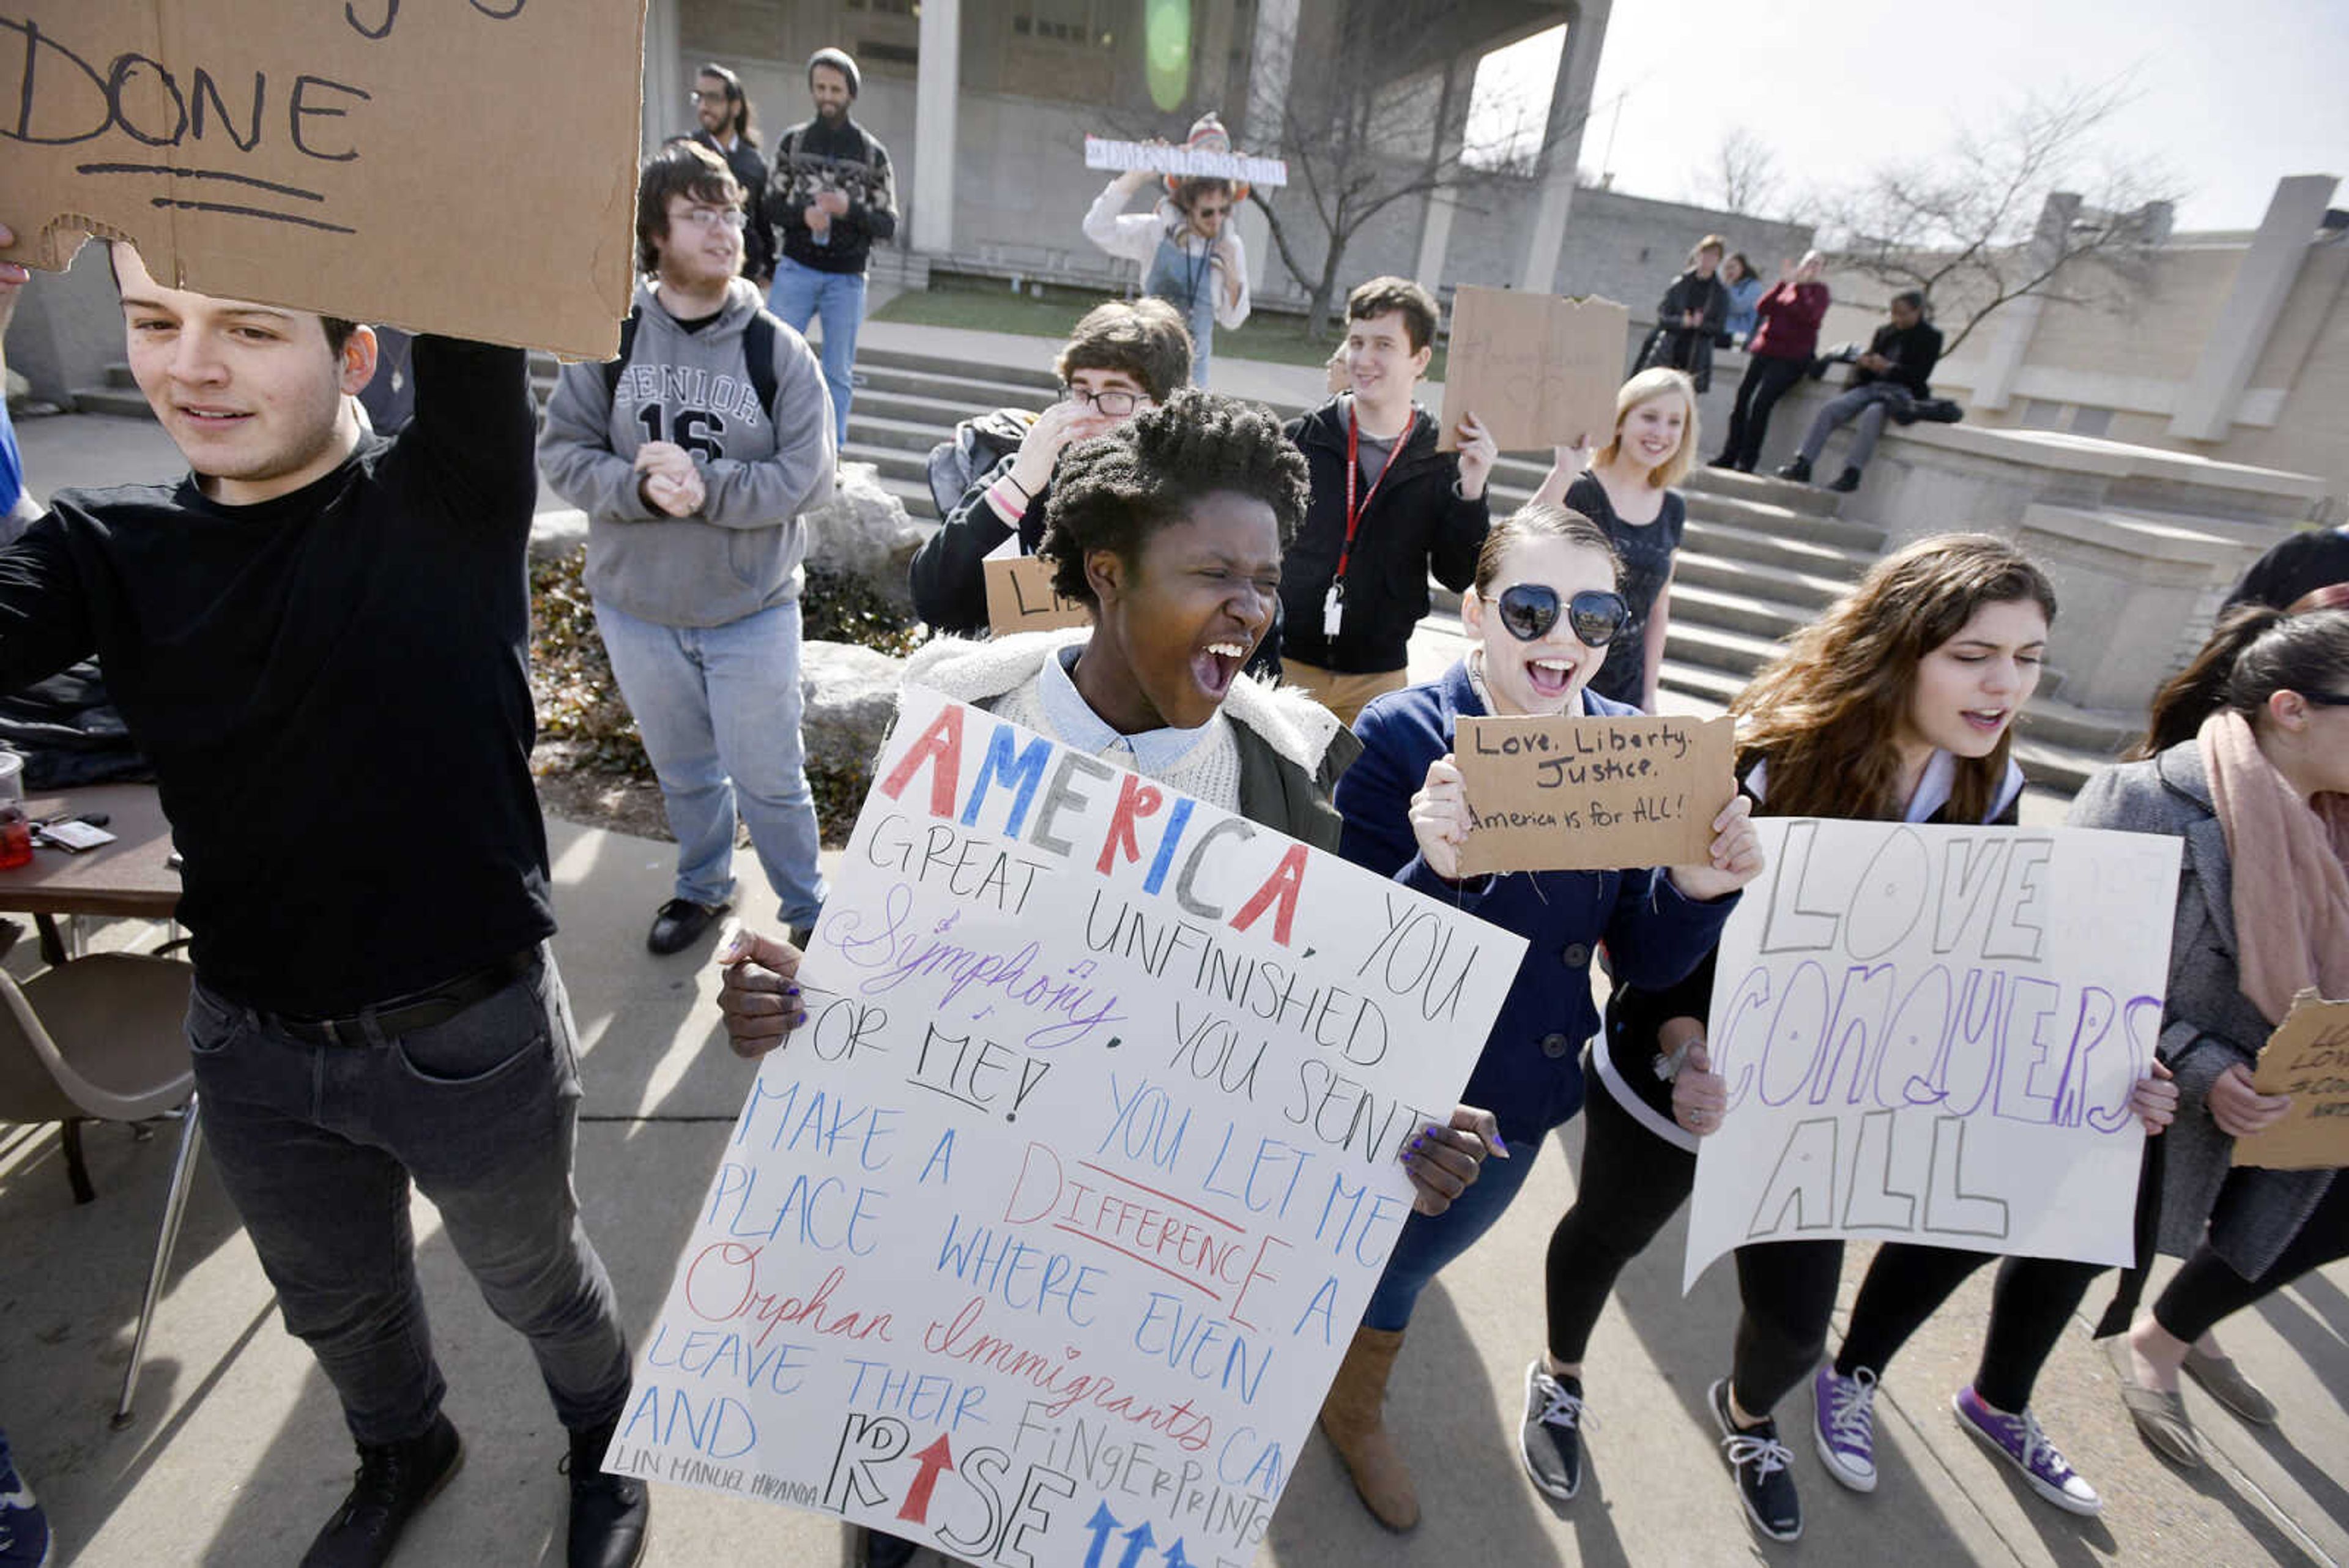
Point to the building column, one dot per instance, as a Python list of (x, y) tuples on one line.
[(1451, 134), (1271, 52), (936, 82), (2238, 336), (1570, 108), (2010, 334), (666, 113)]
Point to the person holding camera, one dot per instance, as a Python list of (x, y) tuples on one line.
[(1892, 373)]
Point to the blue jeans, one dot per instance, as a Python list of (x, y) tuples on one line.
[(318, 1145), (800, 294), (720, 708), (1426, 1244)]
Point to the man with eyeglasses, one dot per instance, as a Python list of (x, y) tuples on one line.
[(726, 129), (1188, 246), (693, 455)]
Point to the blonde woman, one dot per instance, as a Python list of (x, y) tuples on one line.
[(1628, 491)]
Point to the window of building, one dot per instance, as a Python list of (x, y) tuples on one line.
[(1087, 23)]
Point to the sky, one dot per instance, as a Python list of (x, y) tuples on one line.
[(2225, 100)]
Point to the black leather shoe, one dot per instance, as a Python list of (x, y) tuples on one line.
[(1847, 482), (611, 1516), (394, 1481), (680, 924), (1723, 461), (1799, 471)]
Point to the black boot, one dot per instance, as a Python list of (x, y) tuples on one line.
[(1847, 482), (394, 1480), (610, 1515), (1799, 471)]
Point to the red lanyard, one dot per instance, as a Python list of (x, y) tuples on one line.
[(1354, 509)]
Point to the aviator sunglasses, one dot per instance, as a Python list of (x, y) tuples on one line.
[(1529, 610)]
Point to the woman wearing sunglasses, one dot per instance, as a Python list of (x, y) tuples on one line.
[(2247, 760), (1542, 612), (1897, 706), (1628, 491)]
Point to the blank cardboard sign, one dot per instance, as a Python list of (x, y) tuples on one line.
[(2307, 1057), (1536, 370), (465, 167), (1572, 793)]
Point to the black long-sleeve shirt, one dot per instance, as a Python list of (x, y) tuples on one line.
[(1913, 350), (333, 687)]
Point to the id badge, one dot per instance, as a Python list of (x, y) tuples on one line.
[(1333, 611)]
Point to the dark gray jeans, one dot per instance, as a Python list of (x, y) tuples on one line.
[(318, 1144), (1867, 404)]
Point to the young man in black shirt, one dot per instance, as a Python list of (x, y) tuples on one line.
[(320, 639), (725, 128), (1897, 368), (1387, 508)]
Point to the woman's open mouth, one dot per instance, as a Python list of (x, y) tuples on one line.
[(1551, 678), (1213, 666), (1986, 721)]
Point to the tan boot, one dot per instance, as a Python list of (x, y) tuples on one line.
[(1351, 1416)]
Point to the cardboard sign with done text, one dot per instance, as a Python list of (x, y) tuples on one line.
[(1537, 370), (1020, 597), (353, 160), (2307, 1057), (1572, 793), (1192, 164)]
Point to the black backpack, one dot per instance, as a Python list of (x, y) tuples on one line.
[(758, 348)]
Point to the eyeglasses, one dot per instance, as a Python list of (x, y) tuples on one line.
[(2326, 698), (1209, 212), (714, 217), (704, 95), (1116, 404), (1529, 610)]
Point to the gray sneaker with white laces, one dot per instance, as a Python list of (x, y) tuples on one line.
[(1549, 1440)]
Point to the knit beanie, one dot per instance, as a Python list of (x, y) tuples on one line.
[(838, 60)]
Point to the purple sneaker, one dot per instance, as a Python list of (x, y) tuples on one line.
[(2019, 1440), (1843, 1424)]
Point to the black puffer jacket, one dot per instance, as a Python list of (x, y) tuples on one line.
[(1413, 524)]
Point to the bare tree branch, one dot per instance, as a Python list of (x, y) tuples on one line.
[(1975, 229)]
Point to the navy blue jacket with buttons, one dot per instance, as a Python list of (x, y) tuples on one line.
[(1530, 1074)]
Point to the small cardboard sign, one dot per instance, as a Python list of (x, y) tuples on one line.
[(344, 158), (1536, 370), (1573, 794), (1102, 152), (2307, 1057), (1020, 597)]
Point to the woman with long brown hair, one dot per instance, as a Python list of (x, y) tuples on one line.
[(1897, 706)]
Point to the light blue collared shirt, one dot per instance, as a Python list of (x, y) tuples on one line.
[(1156, 753)]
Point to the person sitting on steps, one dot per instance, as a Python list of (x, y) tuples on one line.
[(1895, 370)]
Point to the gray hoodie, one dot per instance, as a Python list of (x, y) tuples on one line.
[(761, 467)]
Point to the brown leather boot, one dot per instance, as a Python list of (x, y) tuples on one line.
[(1351, 1417)]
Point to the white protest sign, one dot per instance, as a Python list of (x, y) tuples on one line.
[(1931, 1035), (1196, 164), (1041, 1242)]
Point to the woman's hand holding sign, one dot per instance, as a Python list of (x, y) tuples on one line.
[(1439, 818), (1444, 1162), (1737, 858), (2241, 1110), (760, 996)]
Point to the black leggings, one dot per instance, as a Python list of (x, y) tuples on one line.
[(1767, 380), (2208, 1288), (1631, 1184), (2030, 1304)]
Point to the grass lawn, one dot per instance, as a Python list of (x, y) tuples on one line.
[(980, 305)]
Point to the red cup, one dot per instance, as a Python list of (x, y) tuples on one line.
[(15, 837)]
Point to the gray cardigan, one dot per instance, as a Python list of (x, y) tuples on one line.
[(2207, 1021)]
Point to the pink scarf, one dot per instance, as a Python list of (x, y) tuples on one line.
[(2290, 864)]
